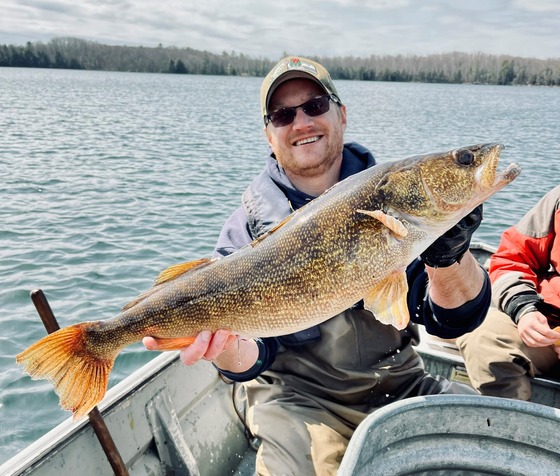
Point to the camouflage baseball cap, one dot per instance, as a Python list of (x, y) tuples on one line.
[(295, 67)]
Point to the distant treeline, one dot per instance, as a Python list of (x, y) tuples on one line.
[(455, 67)]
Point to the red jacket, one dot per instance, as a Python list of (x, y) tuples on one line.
[(526, 267)]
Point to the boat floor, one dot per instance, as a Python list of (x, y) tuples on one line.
[(247, 466)]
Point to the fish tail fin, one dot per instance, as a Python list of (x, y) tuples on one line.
[(79, 376)]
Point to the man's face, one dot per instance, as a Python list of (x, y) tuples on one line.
[(310, 145)]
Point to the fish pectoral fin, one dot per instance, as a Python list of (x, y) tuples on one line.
[(389, 221), (173, 343), (176, 270), (388, 301)]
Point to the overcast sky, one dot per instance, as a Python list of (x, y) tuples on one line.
[(264, 28)]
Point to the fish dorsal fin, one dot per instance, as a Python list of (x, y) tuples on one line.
[(140, 298), (274, 229), (169, 274), (176, 270), (387, 300), (389, 221)]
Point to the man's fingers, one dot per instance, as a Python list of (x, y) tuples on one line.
[(220, 340), (150, 343), (192, 354), (206, 346)]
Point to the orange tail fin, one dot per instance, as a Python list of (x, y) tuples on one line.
[(79, 377)]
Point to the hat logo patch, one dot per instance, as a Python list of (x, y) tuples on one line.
[(296, 63), (293, 64)]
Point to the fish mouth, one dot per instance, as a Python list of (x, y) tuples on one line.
[(487, 176), (508, 175)]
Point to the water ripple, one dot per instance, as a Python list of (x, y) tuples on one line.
[(108, 178)]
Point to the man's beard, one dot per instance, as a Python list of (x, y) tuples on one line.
[(331, 155)]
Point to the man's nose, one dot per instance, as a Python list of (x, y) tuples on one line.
[(301, 118)]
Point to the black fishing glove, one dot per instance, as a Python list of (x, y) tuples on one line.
[(450, 247)]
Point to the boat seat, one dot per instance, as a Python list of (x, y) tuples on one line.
[(442, 357)]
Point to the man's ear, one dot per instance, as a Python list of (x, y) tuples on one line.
[(343, 115), (268, 135)]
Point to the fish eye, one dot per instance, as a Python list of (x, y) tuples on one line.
[(465, 157)]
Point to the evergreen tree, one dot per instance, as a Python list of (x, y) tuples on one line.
[(441, 68)]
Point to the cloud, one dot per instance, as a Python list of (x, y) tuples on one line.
[(541, 6), (261, 28)]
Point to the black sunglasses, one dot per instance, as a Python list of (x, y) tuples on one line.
[(314, 107)]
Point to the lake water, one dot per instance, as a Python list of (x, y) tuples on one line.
[(108, 178)]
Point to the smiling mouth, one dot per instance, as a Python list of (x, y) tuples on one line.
[(309, 140)]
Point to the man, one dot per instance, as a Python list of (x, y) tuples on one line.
[(317, 385), (516, 342)]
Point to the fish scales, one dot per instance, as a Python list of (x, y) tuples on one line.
[(353, 242)]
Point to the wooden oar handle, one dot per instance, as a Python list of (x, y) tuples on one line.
[(96, 420), (45, 312)]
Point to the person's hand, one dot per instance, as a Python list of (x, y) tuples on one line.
[(450, 247), (534, 330), (557, 350), (206, 346)]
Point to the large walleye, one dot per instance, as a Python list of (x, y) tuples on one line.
[(353, 242)]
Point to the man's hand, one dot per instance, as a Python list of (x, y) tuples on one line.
[(206, 346), (534, 330), (450, 247), (226, 350)]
